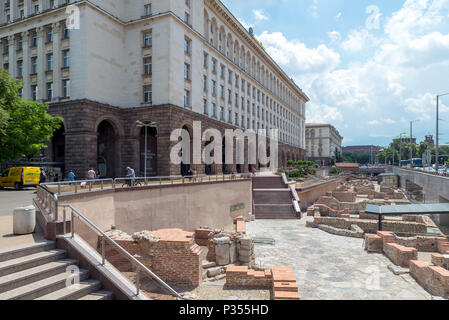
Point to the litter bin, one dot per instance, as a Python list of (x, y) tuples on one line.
[(24, 220)]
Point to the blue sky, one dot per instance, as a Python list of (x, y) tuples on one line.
[(369, 67)]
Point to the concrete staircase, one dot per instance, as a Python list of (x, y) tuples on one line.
[(272, 198), (38, 272)]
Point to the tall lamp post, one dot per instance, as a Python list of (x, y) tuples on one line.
[(437, 156), (146, 126), (400, 149), (411, 141)]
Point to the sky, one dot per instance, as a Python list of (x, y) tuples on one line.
[(368, 67)]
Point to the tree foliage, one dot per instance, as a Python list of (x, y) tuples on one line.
[(25, 125)]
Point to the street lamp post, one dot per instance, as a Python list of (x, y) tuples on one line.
[(146, 125), (411, 141), (437, 160)]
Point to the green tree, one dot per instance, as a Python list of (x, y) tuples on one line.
[(25, 125)]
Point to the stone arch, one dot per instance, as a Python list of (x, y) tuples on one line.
[(108, 149)]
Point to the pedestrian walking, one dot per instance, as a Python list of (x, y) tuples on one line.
[(91, 174), (71, 176)]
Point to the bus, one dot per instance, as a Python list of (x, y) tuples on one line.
[(404, 163), (417, 163)]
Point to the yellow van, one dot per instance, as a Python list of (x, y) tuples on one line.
[(20, 177)]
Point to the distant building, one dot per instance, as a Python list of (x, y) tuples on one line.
[(353, 168), (358, 150), (429, 140), (321, 142), (405, 138)]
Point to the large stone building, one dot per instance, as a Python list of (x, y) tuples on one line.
[(170, 62), (322, 140)]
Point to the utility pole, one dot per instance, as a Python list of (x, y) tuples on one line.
[(411, 142)]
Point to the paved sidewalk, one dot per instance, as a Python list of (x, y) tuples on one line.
[(9, 200), (329, 267)]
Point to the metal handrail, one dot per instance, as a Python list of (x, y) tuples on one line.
[(44, 200), (140, 266)]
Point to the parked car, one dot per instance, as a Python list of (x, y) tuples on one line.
[(20, 177)]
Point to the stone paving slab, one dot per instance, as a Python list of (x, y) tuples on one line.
[(330, 267)]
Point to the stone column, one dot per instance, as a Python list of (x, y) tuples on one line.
[(80, 152), (57, 56), (12, 56), (26, 65), (2, 12), (42, 6), (28, 7), (41, 64), (13, 9)]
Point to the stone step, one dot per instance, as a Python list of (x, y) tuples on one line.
[(30, 261), (41, 288), (98, 295), (272, 197), (27, 276), (73, 292), (24, 250), (275, 212), (286, 295), (269, 183)]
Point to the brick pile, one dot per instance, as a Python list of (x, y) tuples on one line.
[(172, 254), (433, 278), (281, 280)]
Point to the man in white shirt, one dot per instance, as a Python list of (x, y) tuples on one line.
[(91, 174)]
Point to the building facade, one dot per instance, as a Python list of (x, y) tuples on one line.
[(104, 65), (322, 141)]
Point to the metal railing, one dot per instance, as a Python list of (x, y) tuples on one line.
[(140, 267), (48, 200), (78, 186)]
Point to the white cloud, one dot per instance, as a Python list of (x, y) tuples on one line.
[(297, 55), (334, 35), (359, 40), (393, 76), (259, 15)]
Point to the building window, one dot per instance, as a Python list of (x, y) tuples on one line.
[(147, 94), (147, 9), (50, 91), (19, 43), (214, 110), (66, 88), (36, 9), (187, 18), (66, 58), (205, 60), (148, 39), (222, 113), (204, 83), (221, 92), (19, 68), (187, 44), (20, 93), (214, 66), (34, 39), (147, 66), (50, 62), (49, 35), (229, 116), (186, 71), (222, 70), (34, 92), (205, 111), (66, 33), (213, 87), (33, 65), (186, 98)]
